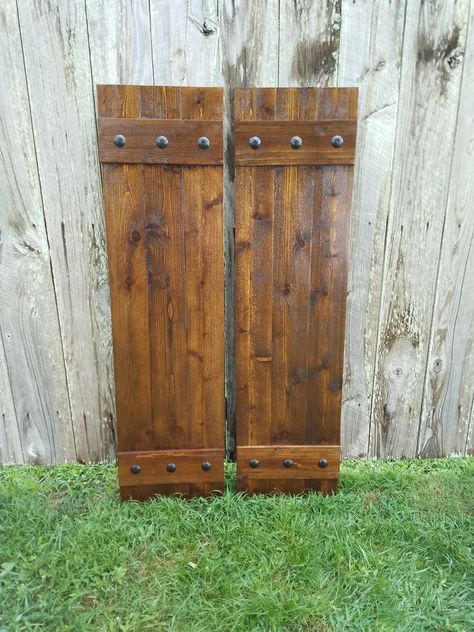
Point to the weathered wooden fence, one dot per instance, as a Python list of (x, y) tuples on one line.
[(409, 368)]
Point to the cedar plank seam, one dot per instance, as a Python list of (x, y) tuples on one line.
[(165, 249), (292, 229)]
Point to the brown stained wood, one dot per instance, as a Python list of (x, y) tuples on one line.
[(308, 462), (276, 148), (169, 366), (328, 297), (292, 236), (154, 466), (140, 141)]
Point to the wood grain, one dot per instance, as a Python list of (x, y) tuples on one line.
[(185, 42), (10, 444), (401, 55), (140, 141), (292, 233), (308, 463), (164, 232), (188, 466), (36, 419), (309, 40), (249, 42), (371, 39), (426, 122), (62, 114), (446, 420), (276, 149), (120, 41)]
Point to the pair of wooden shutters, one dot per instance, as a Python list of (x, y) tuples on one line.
[(161, 150)]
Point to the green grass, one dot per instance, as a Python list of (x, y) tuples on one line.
[(392, 551)]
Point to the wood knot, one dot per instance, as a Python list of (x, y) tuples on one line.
[(300, 241), (157, 230), (455, 58)]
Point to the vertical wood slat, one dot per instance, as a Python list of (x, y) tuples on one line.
[(371, 39), (446, 419), (426, 121), (292, 236), (241, 29), (164, 235), (35, 415), (60, 92)]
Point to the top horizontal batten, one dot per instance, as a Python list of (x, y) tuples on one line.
[(141, 114), (322, 120), (318, 142), (180, 138)]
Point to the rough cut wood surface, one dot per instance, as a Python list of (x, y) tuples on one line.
[(446, 420), (57, 64), (275, 149), (371, 37), (413, 66), (35, 426), (263, 462), (165, 250), (424, 145), (140, 145), (170, 467), (291, 239)]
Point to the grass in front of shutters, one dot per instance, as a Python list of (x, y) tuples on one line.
[(392, 551)]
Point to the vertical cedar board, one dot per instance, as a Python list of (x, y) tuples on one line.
[(164, 239), (292, 238)]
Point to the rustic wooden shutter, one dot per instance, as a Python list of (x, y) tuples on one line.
[(163, 210), (293, 199)]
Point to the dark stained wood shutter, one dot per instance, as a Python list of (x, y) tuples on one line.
[(292, 237), (163, 210)]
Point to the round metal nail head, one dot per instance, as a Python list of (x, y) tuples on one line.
[(296, 142), (323, 463), (203, 142), (206, 466), (336, 141), (135, 469), (288, 463), (254, 463), (119, 140), (171, 467), (162, 142), (255, 142)]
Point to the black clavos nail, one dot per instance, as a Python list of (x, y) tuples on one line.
[(288, 463), (203, 142), (336, 141), (171, 467), (206, 466), (135, 469), (254, 463), (255, 142), (323, 463), (162, 142), (119, 140), (296, 142)]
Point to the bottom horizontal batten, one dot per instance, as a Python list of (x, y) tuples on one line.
[(288, 469), (187, 472)]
